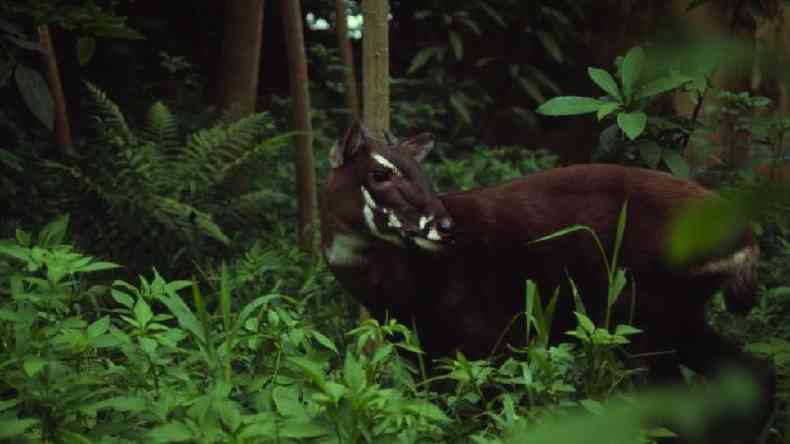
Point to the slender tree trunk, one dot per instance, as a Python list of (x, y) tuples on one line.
[(375, 76), (240, 58), (375, 66), (62, 127), (305, 161), (349, 76)]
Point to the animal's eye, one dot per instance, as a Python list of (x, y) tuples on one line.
[(381, 175)]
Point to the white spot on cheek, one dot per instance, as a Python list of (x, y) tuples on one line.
[(393, 220), (434, 235), (367, 212), (381, 160), (424, 221)]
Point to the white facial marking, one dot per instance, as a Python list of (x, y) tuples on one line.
[(393, 221), (367, 212), (425, 221), (381, 160), (346, 250), (426, 244), (368, 198), (433, 235)]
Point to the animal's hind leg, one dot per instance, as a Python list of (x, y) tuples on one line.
[(707, 352)]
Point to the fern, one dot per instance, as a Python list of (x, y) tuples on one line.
[(161, 128), (111, 122)]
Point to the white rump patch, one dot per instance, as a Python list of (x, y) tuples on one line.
[(381, 160), (746, 257), (346, 250)]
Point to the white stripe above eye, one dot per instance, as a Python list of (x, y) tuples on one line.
[(381, 160)]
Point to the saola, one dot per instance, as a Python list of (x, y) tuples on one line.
[(456, 264)]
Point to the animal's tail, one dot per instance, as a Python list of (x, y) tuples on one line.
[(739, 271)]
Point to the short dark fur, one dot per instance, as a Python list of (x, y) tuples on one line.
[(463, 298)]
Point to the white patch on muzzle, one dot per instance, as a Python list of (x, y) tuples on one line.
[(370, 221)]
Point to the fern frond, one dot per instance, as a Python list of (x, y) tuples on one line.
[(185, 218), (161, 128), (113, 122)]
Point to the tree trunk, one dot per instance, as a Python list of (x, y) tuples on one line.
[(62, 127), (375, 66), (375, 80), (305, 161), (349, 76), (240, 58)]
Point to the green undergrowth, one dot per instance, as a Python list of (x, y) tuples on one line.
[(261, 351)]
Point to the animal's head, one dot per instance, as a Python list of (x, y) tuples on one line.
[(395, 200)]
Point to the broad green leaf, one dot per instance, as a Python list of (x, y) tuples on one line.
[(186, 319), (126, 404), (626, 330), (650, 153), (569, 106), (457, 45), (631, 70), (35, 93), (301, 429), (606, 82), (663, 85), (142, 313), (99, 327), (550, 45), (677, 164), (11, 428), (606, 109), (54, 232), (354, 374), (122, 298), (86, 47), (323, 340), (33, 365), (632, 124), (428, 410), (311, 369), (171, 432), (263, 428), (286, 399), (584, 322)]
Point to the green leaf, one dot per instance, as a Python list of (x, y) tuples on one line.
[(650, 153), (35, 93), (663, 85), (11, 428), (98, 266), (186, 319), (422, 58), (428, 411), (142, 312), (569, 106), (353, 374), (550, 45), (54, 232), (626, 330), (632, 124), (677, 164), (323, 340), (606, 109), (99, 327), (606, 82), (86, 47), (122, 298), (585, 323), (171, 432), (301, 429), (532, 89), (286, 399), (458, 104), (457, 45), (263, 428), (33, 365), (631, 70)]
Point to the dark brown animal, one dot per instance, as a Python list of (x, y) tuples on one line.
[(456, 264)]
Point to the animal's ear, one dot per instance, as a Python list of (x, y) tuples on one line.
[(390, 138), (356, 137), (418, 146)]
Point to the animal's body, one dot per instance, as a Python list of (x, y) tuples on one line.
[(462, 285)]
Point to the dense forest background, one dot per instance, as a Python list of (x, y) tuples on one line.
[(160, 280)]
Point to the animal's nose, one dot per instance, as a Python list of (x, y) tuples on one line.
[(445, 226)]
